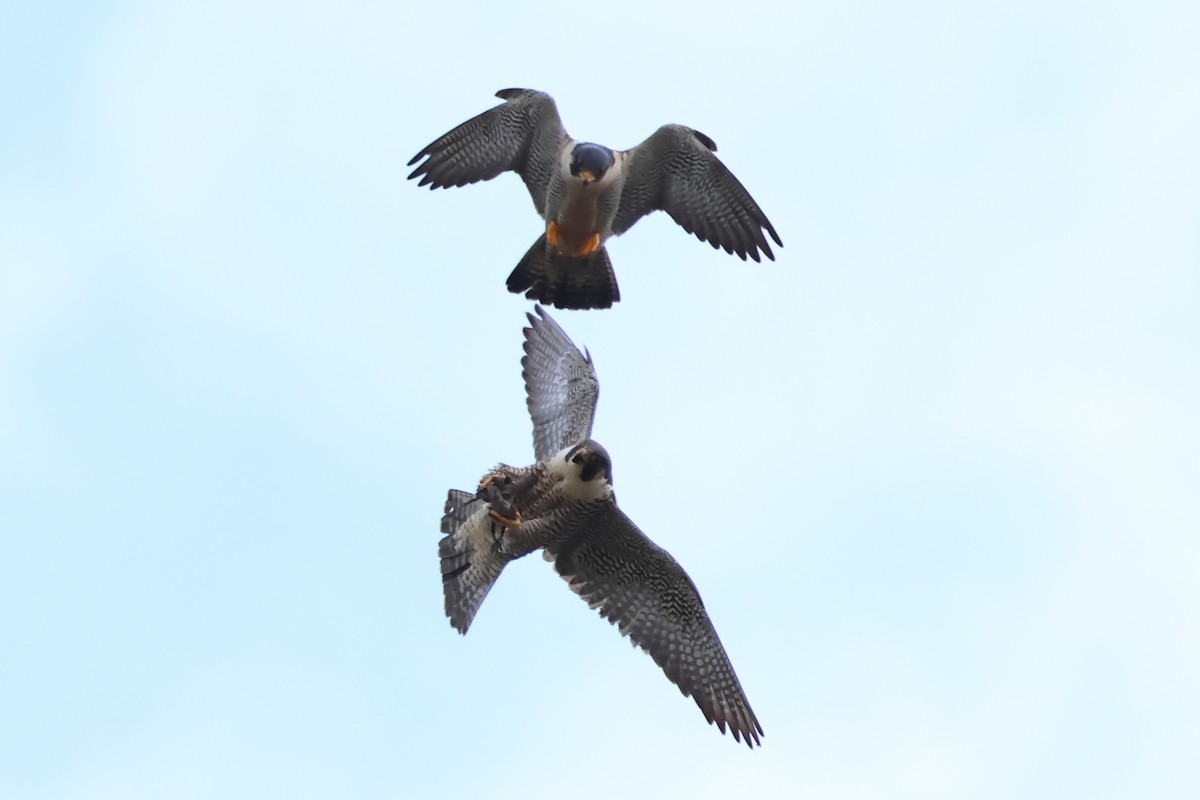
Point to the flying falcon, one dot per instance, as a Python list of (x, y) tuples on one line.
[(564, 505), (587, 192)]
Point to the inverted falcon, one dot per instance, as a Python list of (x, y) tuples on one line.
[(564, 505)]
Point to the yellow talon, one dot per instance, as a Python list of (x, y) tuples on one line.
[(591, 245), (552, 233), (506, 521)]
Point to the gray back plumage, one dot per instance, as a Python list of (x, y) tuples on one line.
[(560, 386)]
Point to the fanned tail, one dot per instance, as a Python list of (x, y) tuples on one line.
[(547, 276), (470, 562)]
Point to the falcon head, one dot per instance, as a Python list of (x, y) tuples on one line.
[(590, 161), (592, 461)]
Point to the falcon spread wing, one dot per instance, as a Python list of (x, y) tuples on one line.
[(640, 588), (676, 170), (524, 135), (560, 386)]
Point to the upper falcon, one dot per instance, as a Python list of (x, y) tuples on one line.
[(587, 192), (564, 505)]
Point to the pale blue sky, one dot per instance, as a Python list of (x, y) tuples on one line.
[(934, 470)]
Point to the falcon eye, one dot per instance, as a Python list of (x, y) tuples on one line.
[(576, 454)]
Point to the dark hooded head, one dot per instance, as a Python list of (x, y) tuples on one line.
[(593, 461), (590, 161)]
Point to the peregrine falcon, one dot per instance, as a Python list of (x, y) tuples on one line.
[(587, 192), (564, 505)]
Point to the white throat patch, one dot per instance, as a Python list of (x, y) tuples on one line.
[(571, 485)]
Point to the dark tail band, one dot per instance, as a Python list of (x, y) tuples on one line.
[(547, 276)]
